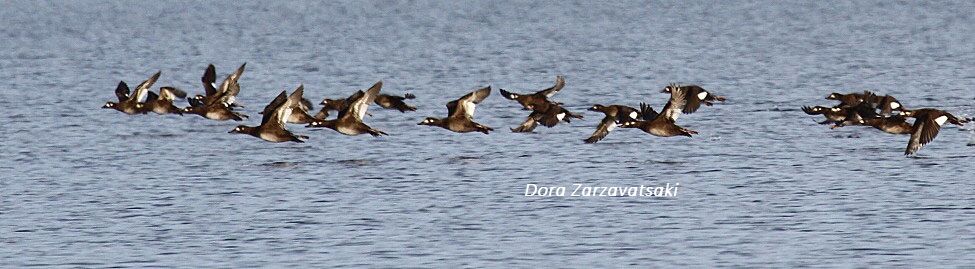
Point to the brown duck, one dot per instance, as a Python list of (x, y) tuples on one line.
[(696, 95), (395, 102), (273, 122), (663, 124), (548, 114), (851, 99), (927, 124), (349, 120), (163, 102), (535, 99), (460, 114), (132, 103), (225, 93), (616, 114)]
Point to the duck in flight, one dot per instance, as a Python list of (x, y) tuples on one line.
[(225, 93), (162, 103), (349, 120), (299, 110), (664, 123), (385, 101), (460, 114), (695, 96), (548, 114), (218, 103), (272, 126), (896, 124), (132, 103), (927, 124), (538, 98), (616, 114), (396, 102)]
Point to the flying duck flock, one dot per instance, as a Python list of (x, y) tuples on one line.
[(887, 114), (219, 102)]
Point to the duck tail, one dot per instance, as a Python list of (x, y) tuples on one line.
[(377, 133), (484, 129), (573, 115), (404, 108), (409, 96), (237, 116)]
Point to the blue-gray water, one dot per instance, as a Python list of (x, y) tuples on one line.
[(762, 185)]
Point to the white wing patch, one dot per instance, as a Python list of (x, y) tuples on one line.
[(894, 105), (702, 95), (468, 108), (560, 116), (361, 110), (941, 120), (633, 115)]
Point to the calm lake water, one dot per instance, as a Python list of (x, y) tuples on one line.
[(762, 185)]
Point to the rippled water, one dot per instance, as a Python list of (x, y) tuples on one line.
[(762, 185)]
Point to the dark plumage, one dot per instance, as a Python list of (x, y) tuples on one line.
[(832, 114), (132, 103), (273, 123), (548, 114), (664, 124), (616, 114), (460, 114), (535, 99), (395, 102), (927, 124), (225, 93), (163, 102), (851, 99), (349, 120), (695, 96)]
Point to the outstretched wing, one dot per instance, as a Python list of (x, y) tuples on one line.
[(605, 126), (272, 108), (466, 105), (529, 124), (925, 130), (694, 95), (140, 92), (122, 91), (559, 83), (171, 93), (647, 112), (358, 104), (674, 107), (151, 96), (210, 80), (227, 93)]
